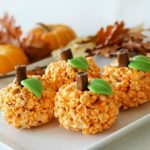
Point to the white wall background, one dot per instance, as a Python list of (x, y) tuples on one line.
[(85, 16)]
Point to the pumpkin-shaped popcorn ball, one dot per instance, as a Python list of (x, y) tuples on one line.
[(27, 102), (89, 111), (63, 71), (130, 79)]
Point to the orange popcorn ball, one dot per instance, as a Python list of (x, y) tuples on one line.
[(83, 110), (21, 108), (61, 72), (131, 85)]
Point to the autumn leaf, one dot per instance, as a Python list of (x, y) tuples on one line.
[(113, 34), (9, 32), (115, 37)]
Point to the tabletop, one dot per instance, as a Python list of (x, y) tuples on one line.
[(138, 140), (135, 141)]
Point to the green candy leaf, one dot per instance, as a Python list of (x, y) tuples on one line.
[(79, 62), (100, 86), (141, 58), (140, 62), (34, 85), (139, 66)]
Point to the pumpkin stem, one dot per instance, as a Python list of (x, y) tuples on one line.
[(82, 81), (20, 73), (66, 54), (44, 26), (123, 58)]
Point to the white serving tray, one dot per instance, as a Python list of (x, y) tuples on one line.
[(51, 136)]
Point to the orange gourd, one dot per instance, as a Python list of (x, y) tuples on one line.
[(43, 39), (11, 56), (5, 64)]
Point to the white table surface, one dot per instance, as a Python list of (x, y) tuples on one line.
[(139, 140)]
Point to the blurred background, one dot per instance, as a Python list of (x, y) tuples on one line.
[(85, 16)]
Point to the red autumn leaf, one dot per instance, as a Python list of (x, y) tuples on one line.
[(9, 32), (112, 34)]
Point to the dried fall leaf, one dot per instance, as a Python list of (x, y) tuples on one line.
[(112, 35), (103, 36), (146, 45), (9, 32), (119, 33), (133, 46), (106, 51), (116, 37), (139, 28), (136, 36), (36, 71)]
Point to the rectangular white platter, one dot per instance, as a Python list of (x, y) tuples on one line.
[(51, 136)]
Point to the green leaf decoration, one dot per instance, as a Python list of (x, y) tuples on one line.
[(139, 66), (100, 86), (140, 62), (141, 58), (79, 63), (34, 85)]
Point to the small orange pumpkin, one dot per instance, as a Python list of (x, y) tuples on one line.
[(43, 39), (5, 64), (11, 56)]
